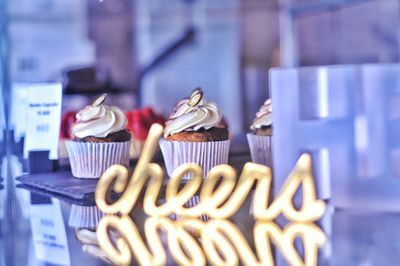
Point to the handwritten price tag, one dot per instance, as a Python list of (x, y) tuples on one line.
[(43, 118)]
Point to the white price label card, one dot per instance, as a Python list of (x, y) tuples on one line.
[(48, 233), (43, 118)]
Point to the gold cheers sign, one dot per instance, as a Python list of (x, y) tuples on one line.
[(218, 200)]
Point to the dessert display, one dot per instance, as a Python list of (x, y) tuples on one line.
[(193, 134), (228, 237), (139, 123), (100, 139), (67, 120), (260, 137)]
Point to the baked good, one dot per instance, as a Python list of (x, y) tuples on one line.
[(119, 136), (195, 120), (100, 139), (100, 123), (201, 135), (193, 135), (260, 137), (262, 123)]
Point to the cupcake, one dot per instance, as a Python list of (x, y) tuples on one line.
[(100, 139), (260, 138), (193, 135)]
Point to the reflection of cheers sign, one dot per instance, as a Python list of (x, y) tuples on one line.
[(221, 243), (217, 201)]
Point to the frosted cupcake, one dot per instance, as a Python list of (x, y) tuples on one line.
[(260, 138), (192, 134), (100, 139)]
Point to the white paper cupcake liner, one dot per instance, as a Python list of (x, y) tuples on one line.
[(206, 154), (260, 149), (91, 160), (84, 216)]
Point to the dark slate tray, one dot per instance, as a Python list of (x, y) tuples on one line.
[(65, 187), (61, 185)]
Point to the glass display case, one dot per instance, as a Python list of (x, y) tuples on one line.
[(131, 62)]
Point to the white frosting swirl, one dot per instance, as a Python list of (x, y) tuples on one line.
[(98, 121), (263, 116), (192, 118)]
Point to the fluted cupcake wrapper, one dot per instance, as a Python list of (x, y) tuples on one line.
[(84, 216), (206, 154), (260, 149), (91, 160)]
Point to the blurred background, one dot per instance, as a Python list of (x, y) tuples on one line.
[(156, 52)]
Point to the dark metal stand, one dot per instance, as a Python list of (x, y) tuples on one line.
[(39, 162)]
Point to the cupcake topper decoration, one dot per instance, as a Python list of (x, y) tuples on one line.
[(100, 100), (195, 97)]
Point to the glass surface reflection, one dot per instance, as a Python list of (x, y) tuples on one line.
[(48, 232), (218, 242), (352, 238)]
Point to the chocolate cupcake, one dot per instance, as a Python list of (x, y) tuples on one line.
[(100, 139), (195, 120), (260, 138), (120, 136), (192, 134), (202, 135)]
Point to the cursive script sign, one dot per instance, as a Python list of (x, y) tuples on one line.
[(220, 201), (221, 241)]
